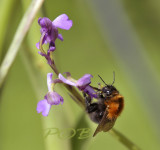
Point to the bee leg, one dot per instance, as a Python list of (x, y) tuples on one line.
[(90, 107), (95, 88)]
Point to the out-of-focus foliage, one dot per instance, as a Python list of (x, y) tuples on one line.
[(92, 47)]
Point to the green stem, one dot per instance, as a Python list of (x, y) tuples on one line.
[(124, 140), (18, 38), (75, 95)]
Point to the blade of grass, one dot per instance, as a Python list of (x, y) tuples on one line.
[(18, 38)]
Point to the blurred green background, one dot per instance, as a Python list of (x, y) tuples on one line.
[(107, 35)]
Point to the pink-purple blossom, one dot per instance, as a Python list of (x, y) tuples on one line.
[(83, 84), (51, 98), (50, 29)]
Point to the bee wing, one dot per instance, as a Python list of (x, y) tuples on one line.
[(105, 124)]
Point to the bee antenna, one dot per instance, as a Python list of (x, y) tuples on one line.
[(113, 78), (102, 79)]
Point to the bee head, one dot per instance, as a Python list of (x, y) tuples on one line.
[(108, 90)]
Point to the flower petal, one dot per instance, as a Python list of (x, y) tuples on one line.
[(84, 81), (57, 81), (51, 47), (60, 37), (90, 91), (64, 80), (49, 81), (37, 45), (53, 98), (42, 54), (62, 101), (63, 22), (43, 107), (45, 23)]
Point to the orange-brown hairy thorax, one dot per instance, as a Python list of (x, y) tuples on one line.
[(115, 106)]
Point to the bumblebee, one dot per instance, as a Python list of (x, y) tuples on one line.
[(108, 107)]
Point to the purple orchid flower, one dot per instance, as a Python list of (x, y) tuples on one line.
[(82, 84), (51, 98), (50, 29)]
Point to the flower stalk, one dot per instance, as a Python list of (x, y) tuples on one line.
[(52, 63)]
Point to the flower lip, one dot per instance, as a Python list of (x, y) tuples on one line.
[(43, 107), (51, 98)]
